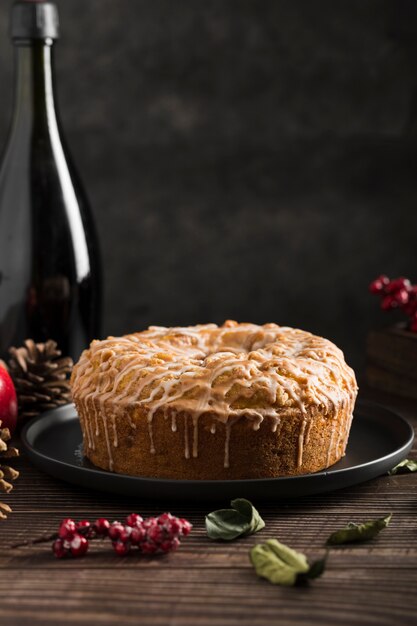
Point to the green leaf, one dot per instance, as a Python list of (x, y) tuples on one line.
[(282, 565), (406, 466), (228, 524), (359, 532), (246, 509)]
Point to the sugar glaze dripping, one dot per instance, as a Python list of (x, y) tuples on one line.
[(208, 370)]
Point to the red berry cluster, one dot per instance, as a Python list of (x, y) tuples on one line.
[(154, 534), (397, 294)]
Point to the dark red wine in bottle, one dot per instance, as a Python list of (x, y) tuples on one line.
[(49, 257)]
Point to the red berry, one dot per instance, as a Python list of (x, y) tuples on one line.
[(186, 526), (150, 536), (84, 528), (121, 548), (410, 307), (124, 535), (137, 535), (8, 401), (59, 549), (378, 285), (101, 526), (170, 544), (148, 547), (388, 302), (134, 520), (155, 533), (67, 529), (398, 283), (401, 296), (115, 530), (82, 524), (175, 543), (166, 546), (174, 527), (78, 545)]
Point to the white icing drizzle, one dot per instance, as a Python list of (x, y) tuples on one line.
[(195, 436), (150, 430), (341, 431), (301, 443), (113, 419), (228, 427), (331, 442), (348, 425), (186, 442), (278, 430), (131, 424), (307, 432), (106, 434), (214, 371), (95, 411), (87, 433), (275, 423)]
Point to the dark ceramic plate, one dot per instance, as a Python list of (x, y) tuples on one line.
[(379, 439)]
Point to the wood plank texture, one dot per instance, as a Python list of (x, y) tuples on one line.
[(208, 583)]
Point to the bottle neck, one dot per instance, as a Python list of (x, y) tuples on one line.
[(34, 85)]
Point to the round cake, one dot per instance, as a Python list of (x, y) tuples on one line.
[(214, 402)]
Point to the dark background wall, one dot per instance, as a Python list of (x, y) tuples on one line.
[(245, 159)]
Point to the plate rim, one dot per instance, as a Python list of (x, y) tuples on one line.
[(361, 404)]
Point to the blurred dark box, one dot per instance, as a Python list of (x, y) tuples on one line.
[(392, 361)]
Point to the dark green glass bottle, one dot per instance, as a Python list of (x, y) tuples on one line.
[(49, 259)]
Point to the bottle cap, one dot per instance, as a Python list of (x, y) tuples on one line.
[(34, 19)]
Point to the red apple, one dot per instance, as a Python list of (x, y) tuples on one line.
[(8, 401)]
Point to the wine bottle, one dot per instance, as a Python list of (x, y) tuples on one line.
[(49, 257)]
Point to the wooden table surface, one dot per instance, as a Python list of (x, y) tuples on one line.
[(208, 583)]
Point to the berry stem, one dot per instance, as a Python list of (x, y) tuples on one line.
[(29, 542), (150, 536)]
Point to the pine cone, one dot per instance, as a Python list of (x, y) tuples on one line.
[(41, 377), (6, 473)]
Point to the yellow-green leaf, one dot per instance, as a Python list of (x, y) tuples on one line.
[(359, 532), (278, 563), (405, 467)]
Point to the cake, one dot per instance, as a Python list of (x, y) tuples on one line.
[(214, 402)]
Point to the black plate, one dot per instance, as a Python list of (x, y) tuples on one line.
[(379, 439)]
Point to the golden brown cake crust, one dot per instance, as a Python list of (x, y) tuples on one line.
[(208, 402)]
